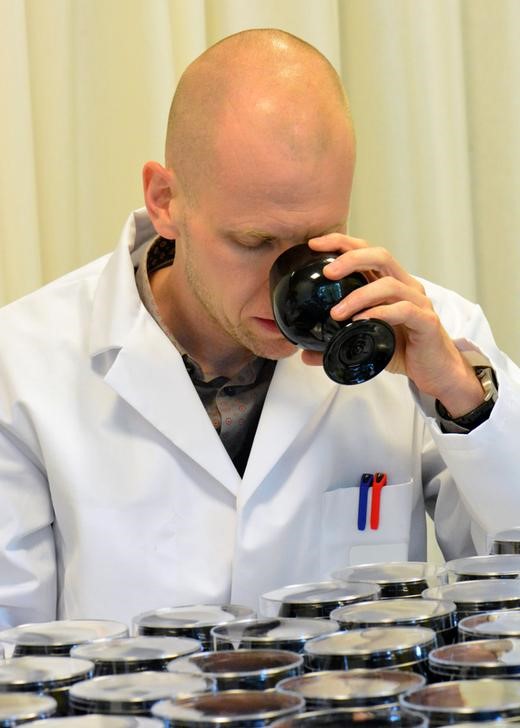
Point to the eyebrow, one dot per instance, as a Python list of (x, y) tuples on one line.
[(252, 233), (264, 236)]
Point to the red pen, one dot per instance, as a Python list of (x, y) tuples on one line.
[(377, 485)]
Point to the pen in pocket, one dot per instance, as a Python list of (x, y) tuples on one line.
[(364, 487), (378, 483), (373, 483)]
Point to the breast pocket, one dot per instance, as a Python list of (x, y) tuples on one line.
[(343, 544)]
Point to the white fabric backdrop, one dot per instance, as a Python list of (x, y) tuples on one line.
[(85, 87)]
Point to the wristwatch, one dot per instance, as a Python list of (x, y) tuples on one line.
[(468, 422)]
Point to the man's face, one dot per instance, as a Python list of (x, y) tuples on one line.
[(250, 211)]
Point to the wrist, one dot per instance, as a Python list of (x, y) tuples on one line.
[(473, 418), (462, 393)]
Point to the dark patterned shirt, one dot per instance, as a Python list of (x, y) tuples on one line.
[(233, 405)]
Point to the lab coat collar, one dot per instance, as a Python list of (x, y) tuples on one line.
[(139, 362), (116, 302)]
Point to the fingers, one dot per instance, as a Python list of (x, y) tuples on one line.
[(382, 291), (312, 358), (357, 255), (391, 293), (337, 242), (417, 319), (375, 260)]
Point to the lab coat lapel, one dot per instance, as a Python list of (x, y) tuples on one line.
[(150, 375), (140, 363), (297, 393)]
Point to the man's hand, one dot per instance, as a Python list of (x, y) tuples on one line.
[(424, 351)]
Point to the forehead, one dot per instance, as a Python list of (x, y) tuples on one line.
[(260, 171), (265, 203)]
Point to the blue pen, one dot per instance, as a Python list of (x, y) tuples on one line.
[(364, 486)]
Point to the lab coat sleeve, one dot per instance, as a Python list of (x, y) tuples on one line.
[(27, 552), (474, 478)]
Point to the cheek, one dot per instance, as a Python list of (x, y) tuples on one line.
[(242, 294), (213, 272), (246, 291)]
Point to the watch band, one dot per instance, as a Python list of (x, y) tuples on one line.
[(469, 421)]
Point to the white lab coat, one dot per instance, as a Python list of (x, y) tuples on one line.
[(117, 496)]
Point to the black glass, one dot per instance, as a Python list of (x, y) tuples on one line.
[(302, 296)]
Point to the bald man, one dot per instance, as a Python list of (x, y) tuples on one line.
[(161, 443)]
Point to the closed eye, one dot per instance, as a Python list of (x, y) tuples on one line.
[(259, 244)]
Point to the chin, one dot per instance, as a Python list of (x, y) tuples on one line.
[(266, 346), (273, 349)]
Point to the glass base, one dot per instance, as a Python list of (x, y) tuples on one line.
[(359, 351)]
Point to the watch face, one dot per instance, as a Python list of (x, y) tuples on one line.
[(488, 381)]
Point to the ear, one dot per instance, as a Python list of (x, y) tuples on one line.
[(160, 189)]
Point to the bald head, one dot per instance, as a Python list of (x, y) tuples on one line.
[(255, 87)]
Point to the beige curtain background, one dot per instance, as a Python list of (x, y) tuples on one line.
[(85, 87)]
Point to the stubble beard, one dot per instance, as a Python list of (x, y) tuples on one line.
[(239, 334)]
